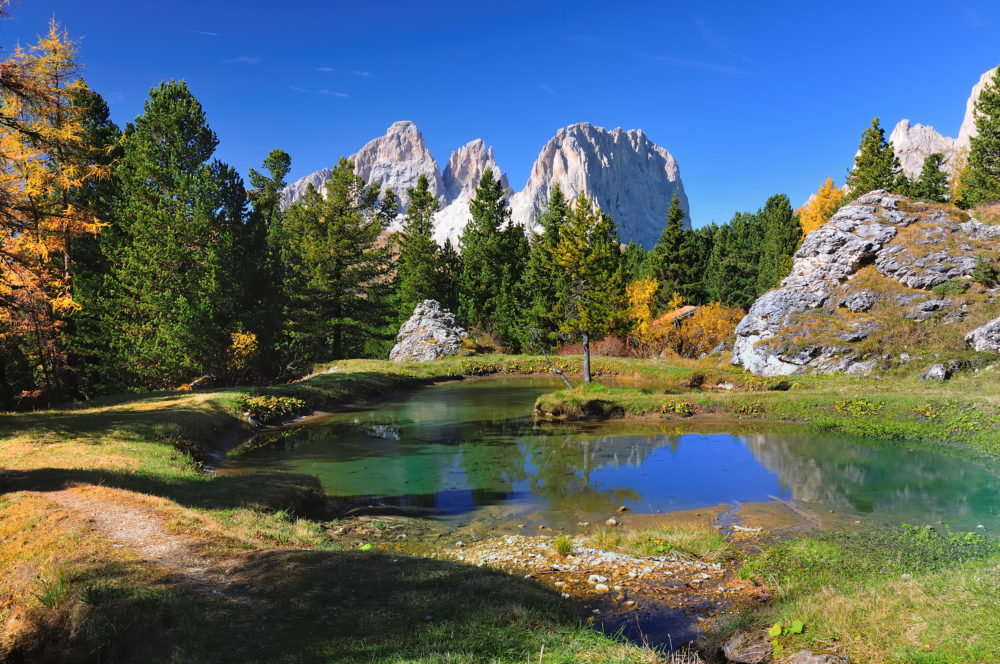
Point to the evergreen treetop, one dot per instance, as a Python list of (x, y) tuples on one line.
[(876, 165), (981, 181)]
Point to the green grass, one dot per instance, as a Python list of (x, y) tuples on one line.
[(695, 542), (894, 595)]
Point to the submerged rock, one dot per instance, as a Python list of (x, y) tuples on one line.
[(430, 333)]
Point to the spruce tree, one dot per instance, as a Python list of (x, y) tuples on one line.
[(715, 272), (981, 181), (449, 267), (590, 259), (417, 270), (696, 251), (494, 252), (634, 262), (781, 235), (262, 269), (876, 165), (543, 284), (664, 261), (170, 286), (932, 185), (337, 270)]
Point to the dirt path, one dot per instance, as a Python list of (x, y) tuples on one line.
[(145, 533)]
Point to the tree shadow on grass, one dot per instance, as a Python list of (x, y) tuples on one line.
[(313, 606)]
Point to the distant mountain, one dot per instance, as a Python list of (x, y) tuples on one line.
[(629, 176), (913, 143)]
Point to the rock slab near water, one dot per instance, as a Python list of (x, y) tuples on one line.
[(430, 333)]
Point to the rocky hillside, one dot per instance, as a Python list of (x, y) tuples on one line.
[(913, 143), (632, 178), (886, 281)]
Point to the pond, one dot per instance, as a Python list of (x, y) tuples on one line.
[(470, 450)]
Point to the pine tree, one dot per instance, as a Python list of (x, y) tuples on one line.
[(876, 166), (589, 256), (715, 272), (634, 262), (170, 288), (664, 262), (494, 253), (981, 182), (932, 185), (337, 270), (261, 267), (417, 268), (449, 268), (781, 235), (743, 260), (543, 284), (696, 252)]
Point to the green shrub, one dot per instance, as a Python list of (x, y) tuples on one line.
[(948, 287), (267, 409)]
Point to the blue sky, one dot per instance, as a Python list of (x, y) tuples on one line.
[(751, 98)]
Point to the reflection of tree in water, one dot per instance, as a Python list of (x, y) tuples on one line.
[(563, 465), (870, 479)]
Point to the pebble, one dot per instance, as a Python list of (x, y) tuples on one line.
[(618, 588), (601, 588), (596, 578), (629, 602), (565, 595), (459, 543), (612, 521)]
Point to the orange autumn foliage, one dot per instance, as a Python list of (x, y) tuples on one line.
[(46, 160), (819, 210), (706, 328)]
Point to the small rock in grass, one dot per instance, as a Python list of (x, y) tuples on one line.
[(936, 372), (612, 521), (623, 508), (601, 588)]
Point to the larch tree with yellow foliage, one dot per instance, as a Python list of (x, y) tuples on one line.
[(641, 297), (46, 161), (818, 211)]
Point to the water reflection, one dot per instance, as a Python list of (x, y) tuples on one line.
[(457, 448)]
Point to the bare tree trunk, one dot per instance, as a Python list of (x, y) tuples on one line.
[(586, 358), (556, 371)]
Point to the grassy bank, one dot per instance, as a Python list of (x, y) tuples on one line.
[(904, 595), (278, 584), (962, 414)]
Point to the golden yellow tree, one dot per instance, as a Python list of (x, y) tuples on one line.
[(46, 160), (706, 328), (822, 206), (641, 296), (960, 166)]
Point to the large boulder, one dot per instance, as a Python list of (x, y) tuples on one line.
[(430, 333), (985, 338), (877, 260)]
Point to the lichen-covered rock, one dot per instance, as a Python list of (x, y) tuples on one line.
[(807, 657), (855, 277), (430, 333), (936, 372), (985, 338)]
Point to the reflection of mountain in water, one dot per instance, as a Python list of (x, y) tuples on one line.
[(866, 479)]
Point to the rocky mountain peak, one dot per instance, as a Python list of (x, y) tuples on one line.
[(397, 160), (466, 165), (913, 143), (629, 176)]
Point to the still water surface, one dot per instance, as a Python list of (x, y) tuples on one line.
[(458, 450)]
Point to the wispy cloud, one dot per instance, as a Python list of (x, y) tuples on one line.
[(203, 32), (970, 13), (708, 33), (321, 91), (362, 74), (693, 64), (547, 89), (243, 60), (325, 69)]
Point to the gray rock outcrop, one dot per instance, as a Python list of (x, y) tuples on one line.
[(629, 176), (430, 333), (882, 250), (913, 143), (985, 338)]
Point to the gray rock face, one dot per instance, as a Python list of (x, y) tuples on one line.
[(985, 338), (914, 143), (397, 160), (828, 256), (629, 176), (461, 176), (297, 189), (860, 301), (431, 332), (807, 657)]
